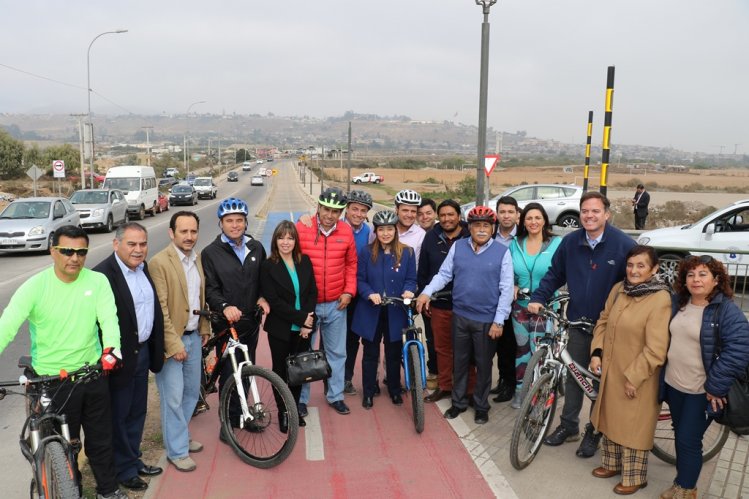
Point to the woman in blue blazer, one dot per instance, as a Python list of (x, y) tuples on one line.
[(386, 267)]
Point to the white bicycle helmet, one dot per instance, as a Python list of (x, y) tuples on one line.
[(407, 196)]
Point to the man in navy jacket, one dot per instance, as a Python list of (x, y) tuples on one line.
[(589, 261)]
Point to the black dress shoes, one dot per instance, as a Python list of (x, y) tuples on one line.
[(437, 395), (135, 483), (505, 393), (283, 422), (397, 399), (453, 412), (147, 470), (481, 417), (367, 402), (302, 422)]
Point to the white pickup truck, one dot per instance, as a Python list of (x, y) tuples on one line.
[(368, 178)]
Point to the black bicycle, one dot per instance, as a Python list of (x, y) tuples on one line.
[(45, 436), (262, 396)]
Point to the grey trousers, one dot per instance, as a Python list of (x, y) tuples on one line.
[(471, 341)]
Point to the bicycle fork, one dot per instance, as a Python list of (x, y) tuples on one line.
[(415, 335), (246, 413)]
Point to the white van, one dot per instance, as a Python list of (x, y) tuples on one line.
[(139, 185)]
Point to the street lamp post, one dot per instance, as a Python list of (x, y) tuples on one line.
[(148, 144), (187, 131), (88, 87), (482, 182)]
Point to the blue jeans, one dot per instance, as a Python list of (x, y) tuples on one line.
[(332, 324), (179, 387), (689, 418)]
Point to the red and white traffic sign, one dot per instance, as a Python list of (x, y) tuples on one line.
[(58, 168), (490, 161)]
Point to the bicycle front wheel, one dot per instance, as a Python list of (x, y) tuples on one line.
[(664, 442), (259, 442), (417, 387), (533, 422), (533, 370), (58, 474)]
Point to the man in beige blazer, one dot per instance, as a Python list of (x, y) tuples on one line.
[(180, 284)]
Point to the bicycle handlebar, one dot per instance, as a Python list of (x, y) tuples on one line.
[(219, 316), (80, 374)]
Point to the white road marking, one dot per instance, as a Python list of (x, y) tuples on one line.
[(313, 436), (491, 473)]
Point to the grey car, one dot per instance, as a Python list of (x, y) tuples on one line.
[(561, 201), (100, 208), (28, 224)]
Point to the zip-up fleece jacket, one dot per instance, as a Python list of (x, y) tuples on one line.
[(230, 282), (333, 259), (589, 273)]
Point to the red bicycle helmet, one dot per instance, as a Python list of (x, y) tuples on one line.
[(482, 214)]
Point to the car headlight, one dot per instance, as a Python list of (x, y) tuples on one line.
[(36, 231), (97, 213), (643, 240)]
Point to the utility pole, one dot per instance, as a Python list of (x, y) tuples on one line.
[(80, 147), (148, 144), (481, 182), (348, 159)]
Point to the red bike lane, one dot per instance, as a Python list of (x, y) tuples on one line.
[(368, 453)]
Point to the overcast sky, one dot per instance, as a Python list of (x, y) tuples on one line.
[(681, 65)]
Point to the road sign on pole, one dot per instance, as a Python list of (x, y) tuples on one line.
[(34, 172), (58, 167), (490, 161)]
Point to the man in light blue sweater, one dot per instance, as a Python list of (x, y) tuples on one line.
[(482, 275)]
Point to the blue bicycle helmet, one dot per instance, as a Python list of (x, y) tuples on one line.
[(231, 206)]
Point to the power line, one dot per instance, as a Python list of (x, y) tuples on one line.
[(65, 84)]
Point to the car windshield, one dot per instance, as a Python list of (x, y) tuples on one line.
[(181, 189), (202, 181), (26, 209), (124, 184), (89, 197)]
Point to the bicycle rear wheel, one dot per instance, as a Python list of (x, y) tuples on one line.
[(533, 422), (664, 442), (259, 442), (417, 387), (57, 473)]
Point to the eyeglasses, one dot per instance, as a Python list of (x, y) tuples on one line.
[(702, 258), (71, 251)]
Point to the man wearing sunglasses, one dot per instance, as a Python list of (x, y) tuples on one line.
[(142, 343), (63, 305)]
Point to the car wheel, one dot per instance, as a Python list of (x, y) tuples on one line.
[(110, 224), (377, 181), (49, 242), (668, 266), (569, 221)]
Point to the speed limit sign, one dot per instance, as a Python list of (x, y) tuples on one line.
[(58, 167)]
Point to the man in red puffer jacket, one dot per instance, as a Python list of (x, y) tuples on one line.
[(331, 248)]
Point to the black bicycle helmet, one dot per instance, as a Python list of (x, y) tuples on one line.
[(384, 217), (332, 197), (360, 197), (230, 206), (407, 196)]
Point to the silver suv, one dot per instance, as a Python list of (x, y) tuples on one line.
[(100, 208)]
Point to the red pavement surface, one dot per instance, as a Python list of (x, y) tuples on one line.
[(375, 453)]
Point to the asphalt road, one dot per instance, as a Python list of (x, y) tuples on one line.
[(16, 268)]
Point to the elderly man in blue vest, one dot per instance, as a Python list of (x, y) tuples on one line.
[(482, 275)]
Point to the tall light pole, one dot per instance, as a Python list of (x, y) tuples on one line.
[(482, 182), (88, 86), (187, 130), (148, 144)]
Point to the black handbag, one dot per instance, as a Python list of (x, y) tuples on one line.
[(305, 367), (735, 414)]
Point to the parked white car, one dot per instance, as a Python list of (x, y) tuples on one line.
[(100, 208), (28, 224), (726, 229)]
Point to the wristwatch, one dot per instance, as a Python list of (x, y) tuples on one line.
[(499, 325)]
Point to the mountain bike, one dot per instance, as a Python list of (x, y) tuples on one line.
[(261, 394), (414, 365), (538, 407), (45, 436)]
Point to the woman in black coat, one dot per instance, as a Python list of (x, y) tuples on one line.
[(288, 284)]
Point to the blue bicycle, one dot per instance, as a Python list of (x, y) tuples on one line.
[(414, 365)]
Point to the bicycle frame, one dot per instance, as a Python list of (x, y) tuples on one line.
[(413, 336)]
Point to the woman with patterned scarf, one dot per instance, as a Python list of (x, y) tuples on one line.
[(629, 348)]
